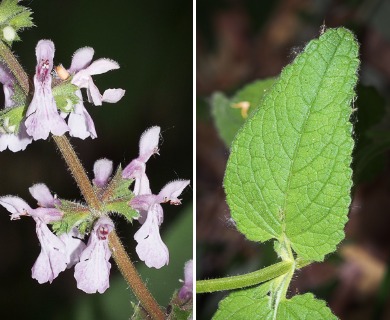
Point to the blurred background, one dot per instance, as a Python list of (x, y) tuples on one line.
[(241, 41), (152, 41)]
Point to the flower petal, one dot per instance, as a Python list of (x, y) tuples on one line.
[(93, 93), (102, 66), (15, 205), (47, 215), (150, 247), (42, 194), (81, 79), (74, 246), (102, 170), (81, 59), (113, 95), (42, 115), (52, 258), (44, 52), (93, 270), (6, 77), (148, 144), (135, 169), (172, 190), (80, 122), (7, 80), (15, 142), (143, 202)]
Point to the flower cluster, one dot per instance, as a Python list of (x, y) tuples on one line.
[(91, 260), (150, 247), (43, 116), (62, 252)]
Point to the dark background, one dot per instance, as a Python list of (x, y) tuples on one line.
[(152, 42), (240, 41)]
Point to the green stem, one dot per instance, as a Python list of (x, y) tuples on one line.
[(245, 280)]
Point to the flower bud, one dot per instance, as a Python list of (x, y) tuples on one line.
[(9, 33)]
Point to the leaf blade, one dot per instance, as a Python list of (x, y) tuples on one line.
[(289, 170), (255, 303)]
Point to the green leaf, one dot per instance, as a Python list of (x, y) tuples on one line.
[(65, 96), (255, 303), (122, 207), (179, 309), (228, 119), (139, 312), (117, 195), (179, 314), (13, 18), (289, 175), (10, 118), (75, 214)]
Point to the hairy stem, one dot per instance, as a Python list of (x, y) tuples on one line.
[(245, 280), (14, 66), (78, 172), (118, 252), (129, 272)]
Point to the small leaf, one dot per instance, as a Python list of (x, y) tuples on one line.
[(289, 172), (255, 303), (179, 309), (117, 196), (229, 120), (65, 96), (11, 118), (123, 208), (75, 214), (139, 312), (13, 18), (118, 187), (179, 314)]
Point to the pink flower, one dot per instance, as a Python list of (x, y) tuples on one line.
[(57, 253), (185, 292), (102, 170), (15, 139), (80, 122), (73, 245), (42, 115), (46, 211), (15, 142), (84, 70), (150, 247), (93, 271), (7, 80), (136, 169), (53, 258)]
